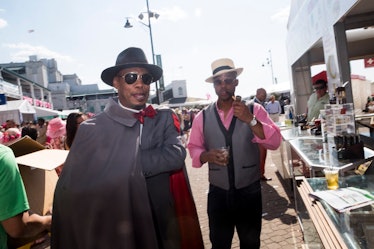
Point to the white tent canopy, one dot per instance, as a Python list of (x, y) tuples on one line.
[(46, 113), (18, 110)]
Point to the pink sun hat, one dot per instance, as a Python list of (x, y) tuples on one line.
[(56, 128)]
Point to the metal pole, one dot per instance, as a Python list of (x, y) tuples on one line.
[(153, 52), (271, 67)]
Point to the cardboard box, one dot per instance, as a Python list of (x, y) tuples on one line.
[(37, 167)]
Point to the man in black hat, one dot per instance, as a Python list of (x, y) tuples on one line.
[(234, 199), (115, 188)]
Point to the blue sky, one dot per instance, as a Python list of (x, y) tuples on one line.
[(85, 37)]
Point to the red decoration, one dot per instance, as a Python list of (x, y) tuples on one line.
[(147, 112), (176, 123), (369, 62), (186, 212)]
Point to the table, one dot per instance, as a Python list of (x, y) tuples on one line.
[(287, 154), (317, 156), (352, 229), (366, 123)]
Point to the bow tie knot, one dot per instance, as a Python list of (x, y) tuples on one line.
[(147, 112)]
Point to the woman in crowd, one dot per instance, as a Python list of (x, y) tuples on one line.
[(72, 123), (56, 135)]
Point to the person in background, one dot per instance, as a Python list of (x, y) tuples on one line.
[(124, 184), (29, 130), (41, 127), (16, 220), (273, 108), (318, 99), (186, 115), (56, 135), (234, 198), (260, 99), (73, 121), (11, 131)]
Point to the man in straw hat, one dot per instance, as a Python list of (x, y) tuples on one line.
[(125, 171), (234, 199)]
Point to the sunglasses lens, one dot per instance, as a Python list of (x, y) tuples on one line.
[(319, 88), (226, 81), (147, 79), (130, 78)]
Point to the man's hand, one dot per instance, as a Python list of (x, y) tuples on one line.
[(215, 156), (241, 111)]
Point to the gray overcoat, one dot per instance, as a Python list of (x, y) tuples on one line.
[(111, 184)]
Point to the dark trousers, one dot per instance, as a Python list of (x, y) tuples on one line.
[(238, 208)]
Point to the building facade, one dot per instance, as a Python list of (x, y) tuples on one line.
[(40, 82)]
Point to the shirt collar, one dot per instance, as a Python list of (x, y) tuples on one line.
[(126, 108)]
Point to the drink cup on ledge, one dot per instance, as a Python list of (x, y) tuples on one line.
[(332, 178)]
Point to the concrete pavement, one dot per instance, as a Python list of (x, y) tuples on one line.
[(280, 228)]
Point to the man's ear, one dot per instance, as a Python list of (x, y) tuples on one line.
[(236, 82), (115, 82)]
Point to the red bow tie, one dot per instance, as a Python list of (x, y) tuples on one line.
[(147, 112)]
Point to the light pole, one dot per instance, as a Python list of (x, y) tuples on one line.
[(149, 26), (269, 61)]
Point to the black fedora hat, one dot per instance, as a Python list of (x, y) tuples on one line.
[(131, 57)]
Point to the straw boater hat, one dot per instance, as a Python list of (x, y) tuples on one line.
[(222, 66), (56, 127), (131, 57)]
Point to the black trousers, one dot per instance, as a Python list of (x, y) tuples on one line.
[(237, 208)]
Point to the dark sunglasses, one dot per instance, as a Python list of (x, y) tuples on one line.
[(227, 81), (319, 88), (131, 78)]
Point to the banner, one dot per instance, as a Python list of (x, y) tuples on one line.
[(159, 63), (2, 99)]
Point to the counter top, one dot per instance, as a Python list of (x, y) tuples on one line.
[(315, 153), (293, 132)]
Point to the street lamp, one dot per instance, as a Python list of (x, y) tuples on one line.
[(149, 14), (269, 61)]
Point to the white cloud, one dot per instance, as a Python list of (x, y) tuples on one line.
[(282, 14), (3, 23), (24, 50), (173, 14), (198, 12)]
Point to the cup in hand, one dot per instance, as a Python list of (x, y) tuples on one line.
[(225, 150), (332, 178)]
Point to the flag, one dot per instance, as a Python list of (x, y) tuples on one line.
[(369, 62)]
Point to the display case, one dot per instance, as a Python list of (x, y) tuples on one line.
[(322, 225)]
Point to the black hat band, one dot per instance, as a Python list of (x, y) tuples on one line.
[(220, 69)]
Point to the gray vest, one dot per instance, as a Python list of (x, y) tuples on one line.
[(244, 165)]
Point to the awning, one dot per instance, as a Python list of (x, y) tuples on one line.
[(46, 113)]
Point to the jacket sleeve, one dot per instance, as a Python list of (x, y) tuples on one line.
[(162, 150)]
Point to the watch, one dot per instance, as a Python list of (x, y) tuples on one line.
[(253, 121)]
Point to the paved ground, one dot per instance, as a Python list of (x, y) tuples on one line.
[(280, 228)]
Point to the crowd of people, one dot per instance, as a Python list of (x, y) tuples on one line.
[(124, 183), (17, 221)]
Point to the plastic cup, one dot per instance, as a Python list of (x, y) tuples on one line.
[(226, 152), (332, 178)]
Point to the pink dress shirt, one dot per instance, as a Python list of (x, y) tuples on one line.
[(196, 144)]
